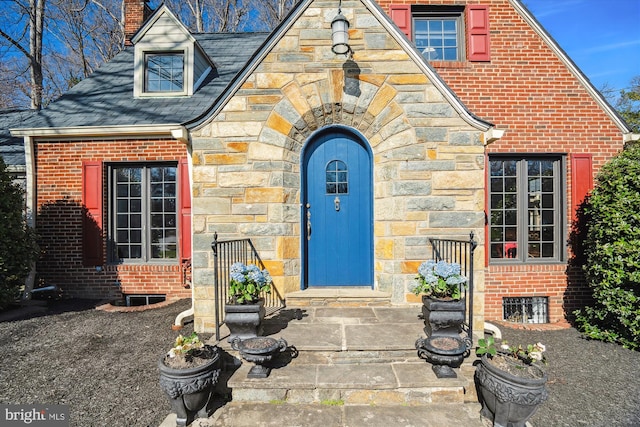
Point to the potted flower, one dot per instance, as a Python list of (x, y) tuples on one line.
[(245, 310), (188, 375), (441, 284), (510, 381)]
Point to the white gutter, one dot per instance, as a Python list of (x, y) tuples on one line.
[(176, 131), (492, 135)]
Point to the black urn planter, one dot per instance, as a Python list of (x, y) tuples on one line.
[(509, 400), (244, 320), (443, 317), (444, 353), (260, 351), (189, 390)]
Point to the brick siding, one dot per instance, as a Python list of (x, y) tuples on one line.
[(528, 92), (60, 213)]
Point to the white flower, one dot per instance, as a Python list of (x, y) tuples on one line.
[(540, 347), (505, 346), (536, 355)]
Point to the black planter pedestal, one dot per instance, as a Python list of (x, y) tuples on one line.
[(259, 350), (244, 320), (443, 347), (444, 353), (443, 317), (508, 400), (190, 390)]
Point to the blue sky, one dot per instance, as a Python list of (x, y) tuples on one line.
[(601, 36)]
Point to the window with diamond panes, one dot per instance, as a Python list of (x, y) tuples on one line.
[(145, 213), (337, 177), (525, 209)]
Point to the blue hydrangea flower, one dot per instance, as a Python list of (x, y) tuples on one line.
[(429, 277), (443, 269), (426, 267), (267, 276), (440, 279), (456, 280), (238, 267), (237, 277), (256, 277)]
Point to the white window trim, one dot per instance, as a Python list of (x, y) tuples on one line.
[(142, 49), (443, 12)]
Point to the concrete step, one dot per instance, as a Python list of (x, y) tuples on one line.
[(339, 297), (332, 414), (402, 383), (350, 356)]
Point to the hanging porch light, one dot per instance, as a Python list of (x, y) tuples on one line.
[(340, 33)]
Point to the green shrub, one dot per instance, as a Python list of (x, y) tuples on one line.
[(17, 248), (612, 253)]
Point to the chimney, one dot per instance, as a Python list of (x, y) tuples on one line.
[(135, 13)]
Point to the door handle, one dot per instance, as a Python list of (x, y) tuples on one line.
[(308, 221), (336, 203)]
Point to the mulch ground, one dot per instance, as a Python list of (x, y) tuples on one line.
[(104, 366), (590, 383)]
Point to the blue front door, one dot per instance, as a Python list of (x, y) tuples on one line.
[(337, 211)]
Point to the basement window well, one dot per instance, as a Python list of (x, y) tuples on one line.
[(526, 309), (137, 300)]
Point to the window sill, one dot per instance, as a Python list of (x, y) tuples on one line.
[(516, 261), (138, 264), (558, 267), (450, 64), (163, 95)]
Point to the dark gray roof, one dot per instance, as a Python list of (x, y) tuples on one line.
[(106, 97), (12, 147)]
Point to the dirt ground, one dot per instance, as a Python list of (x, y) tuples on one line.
[(104, 366)]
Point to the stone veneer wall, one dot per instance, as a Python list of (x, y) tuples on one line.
[(428, 162)]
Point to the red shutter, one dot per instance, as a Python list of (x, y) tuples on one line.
[(185, 209), (92, 220), (581, 178), (401, 15), (478, 32)]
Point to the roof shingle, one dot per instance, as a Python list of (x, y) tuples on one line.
[(106, 97)]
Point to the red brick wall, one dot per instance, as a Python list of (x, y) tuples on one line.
[(60, 213), (135, 13), (527, 91)]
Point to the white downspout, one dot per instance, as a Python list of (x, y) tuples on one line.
[(181, 134), (30, 187), (179, 322)]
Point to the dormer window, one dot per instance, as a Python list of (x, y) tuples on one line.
[(169, 62), (164, 72)]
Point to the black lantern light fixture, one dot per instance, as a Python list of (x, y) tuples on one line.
[(340, 33)]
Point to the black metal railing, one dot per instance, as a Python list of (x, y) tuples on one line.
[(225, 254), (461, 252)]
